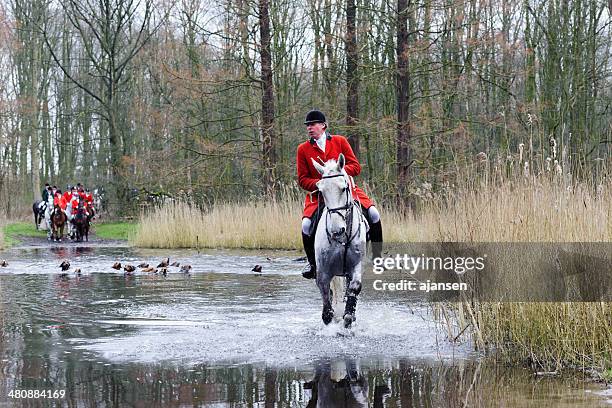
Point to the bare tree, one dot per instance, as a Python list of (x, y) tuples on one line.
[(403, 101), (112, 32), (267, 99), (352, 77)]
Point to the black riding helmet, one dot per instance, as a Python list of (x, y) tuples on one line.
[(315, 116)]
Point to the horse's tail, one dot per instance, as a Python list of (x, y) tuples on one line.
[(35, 210)]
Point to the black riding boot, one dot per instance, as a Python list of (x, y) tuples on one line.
[(376, 236), (308, 242)]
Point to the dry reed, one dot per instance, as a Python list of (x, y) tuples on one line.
[(521, 207), (228, 225), (537, 212)]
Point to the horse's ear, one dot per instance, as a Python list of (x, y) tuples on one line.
[(341, 162), (319, 168)]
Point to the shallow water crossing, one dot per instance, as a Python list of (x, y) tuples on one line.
[(226, 336)]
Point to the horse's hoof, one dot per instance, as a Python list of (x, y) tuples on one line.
[(328, 315), (348, 320)]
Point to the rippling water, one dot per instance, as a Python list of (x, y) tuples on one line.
[(226, 336)]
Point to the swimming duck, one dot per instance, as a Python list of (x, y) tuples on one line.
[(185, 268), (116, 265), (65, 265), (164, 263)]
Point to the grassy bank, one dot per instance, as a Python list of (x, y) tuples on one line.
[(3, 242), (551, 335), (114, 230), (13, 231)]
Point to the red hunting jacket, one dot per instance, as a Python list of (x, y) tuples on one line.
[(60, 201), (308, 175)]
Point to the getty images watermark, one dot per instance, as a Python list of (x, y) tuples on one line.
[(411, 264)]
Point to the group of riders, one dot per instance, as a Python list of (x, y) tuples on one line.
[(69, 202)]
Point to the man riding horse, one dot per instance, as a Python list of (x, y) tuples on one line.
[(321, 147)]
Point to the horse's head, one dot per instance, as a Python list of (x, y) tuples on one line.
[(81, 213), (335, 188)]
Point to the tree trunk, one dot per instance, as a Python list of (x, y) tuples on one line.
[(403, 103), (34, 145), (352, 78), (267, 100)]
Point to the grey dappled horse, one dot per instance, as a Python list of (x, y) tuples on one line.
[(338, 384), (340, 240)]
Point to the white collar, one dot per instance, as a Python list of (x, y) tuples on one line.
[(321, 141)]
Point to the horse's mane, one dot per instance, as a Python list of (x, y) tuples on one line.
[(330, 165)]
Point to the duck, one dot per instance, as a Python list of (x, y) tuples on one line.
[(129, 268), (256, 268), (150, 270), (116, 265), (65, 265), (177, 264), (143, 265), (77, 271), (164, 263), (185, 268), (3, 263)]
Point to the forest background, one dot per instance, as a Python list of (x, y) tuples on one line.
[(205, 100)]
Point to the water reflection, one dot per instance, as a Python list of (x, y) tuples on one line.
[(61, 252), (329, 383), (341, 385)]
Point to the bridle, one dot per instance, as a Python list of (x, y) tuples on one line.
[(345, 212)]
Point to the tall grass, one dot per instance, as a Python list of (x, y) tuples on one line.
[(551, 335), (540, 211), (549, 207), (273, 224)]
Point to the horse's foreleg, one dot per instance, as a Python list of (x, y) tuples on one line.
[(323, 282), (354, 288)]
